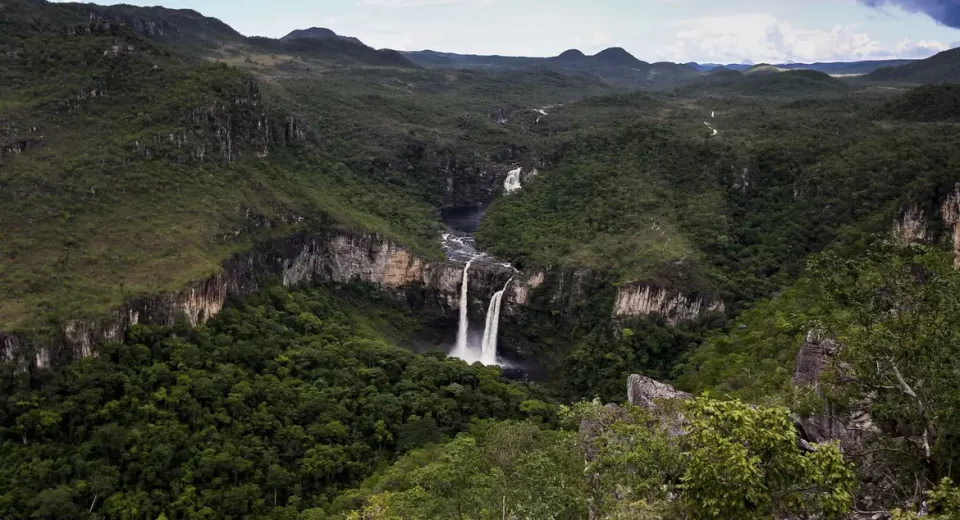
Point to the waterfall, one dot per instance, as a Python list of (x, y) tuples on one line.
[(461, 350), (488, 353), (512, 183)]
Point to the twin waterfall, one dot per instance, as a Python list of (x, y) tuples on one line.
[(488, 347), (458, 246)]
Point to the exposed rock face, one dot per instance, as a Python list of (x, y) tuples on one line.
[(519, 291), (561, 290), (951, 218), (911, 226), (850, 429), (639, 300), (645, 392), (339, 256), (914, 225)]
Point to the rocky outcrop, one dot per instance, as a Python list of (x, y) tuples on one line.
[(815, 356), (911, 226), (645, 392), (951, 218), (224, 131), (338, 256), (640, 300), (935, 220)]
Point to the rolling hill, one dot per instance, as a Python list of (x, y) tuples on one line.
[(943, 67), (317, 32), (765, 80)]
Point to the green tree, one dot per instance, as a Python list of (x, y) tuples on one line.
[(744, 462), (897, 319)]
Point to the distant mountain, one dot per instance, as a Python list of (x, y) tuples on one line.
[(766, 82), (833, 68), (615, 66), (572, 55), (617, 57), (318, 32), (192, 33), (943, 67)]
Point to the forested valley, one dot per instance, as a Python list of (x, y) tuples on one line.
[(303, 278)]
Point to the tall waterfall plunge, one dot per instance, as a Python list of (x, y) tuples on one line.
[(462, 350), (488, 350)]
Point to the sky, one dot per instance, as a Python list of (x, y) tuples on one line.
[(714, 31)]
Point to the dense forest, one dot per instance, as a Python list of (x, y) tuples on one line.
[(731, 294), (277, 405)]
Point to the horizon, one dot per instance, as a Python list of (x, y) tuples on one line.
[(679, 31)]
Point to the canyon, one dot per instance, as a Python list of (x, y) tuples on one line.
[(345, 256)]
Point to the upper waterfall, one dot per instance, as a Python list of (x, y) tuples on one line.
[(512, 183)]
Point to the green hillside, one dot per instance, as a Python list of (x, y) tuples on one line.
[(765, 80), (135, 169), (942, 67), (652, 189), (142, 147), (929, 103)]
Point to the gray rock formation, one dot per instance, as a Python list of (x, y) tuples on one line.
[(815, 355), (941, 222), (645, 392)]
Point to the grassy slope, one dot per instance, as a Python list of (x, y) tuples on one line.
[(90, 219)]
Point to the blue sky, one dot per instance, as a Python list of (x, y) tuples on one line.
[(653, 30)]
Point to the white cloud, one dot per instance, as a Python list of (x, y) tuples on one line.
[(920, 49), (762, 37)]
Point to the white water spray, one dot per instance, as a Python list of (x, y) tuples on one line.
[(462, 350), (488, 352), (512, 183)]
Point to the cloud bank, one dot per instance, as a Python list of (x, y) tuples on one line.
[(765, 38), (946, 12)]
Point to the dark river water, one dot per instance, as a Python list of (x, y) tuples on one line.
[(463, 220), (458, 242)]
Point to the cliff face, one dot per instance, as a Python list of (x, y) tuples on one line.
[(640, 300), (225, 130), (951, 218), (339, 256), (939, 223)]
